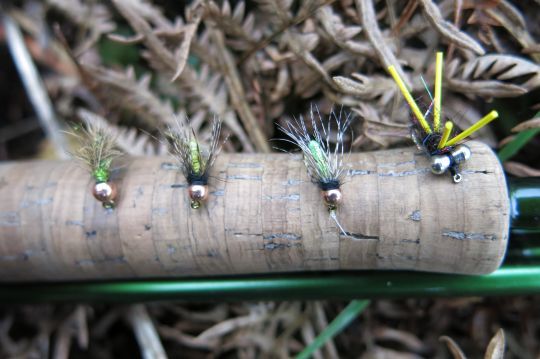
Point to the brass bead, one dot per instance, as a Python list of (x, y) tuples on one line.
[(332, 197), (197, 193), (105, 192)]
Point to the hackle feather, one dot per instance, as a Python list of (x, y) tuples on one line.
[(97, 147), (180, 136), (321, 133)]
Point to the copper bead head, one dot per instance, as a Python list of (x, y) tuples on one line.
[(197, 193), (105, 192), (332, 197)]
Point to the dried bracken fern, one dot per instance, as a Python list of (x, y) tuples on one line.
[(91, 17), (250, 64), (128, 140), (447, 30), (235, 23), (494, 75), (122, 89)]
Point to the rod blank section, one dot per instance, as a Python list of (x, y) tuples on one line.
[(508, 280), (263, 215)]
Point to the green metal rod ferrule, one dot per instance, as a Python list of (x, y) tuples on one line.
[(524, 245), (525, 206)]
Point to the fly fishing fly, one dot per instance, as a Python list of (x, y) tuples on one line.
[(195, 163), (97, 151), (324, 165), (445, 154)]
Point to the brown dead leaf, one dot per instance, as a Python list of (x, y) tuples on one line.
[(385, 353), (373, 32), (302, 45), (527, 125), (379, 129), (520, 170), (505, 140), (92, 17), (236, 23), (183, 51), (116, 88), (480, 4), (407, 339), (494, 75), (509, 17), (334, 26), (448, 30), (503, 67), (453, 347), (174, 334), (229, 325), (366, 87), (495, 349), (237, 93), (129, 140), (406, 15)]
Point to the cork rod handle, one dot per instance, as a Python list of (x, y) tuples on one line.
[(263, 215)]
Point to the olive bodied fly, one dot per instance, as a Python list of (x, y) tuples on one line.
[(195, 162), (97, 151)]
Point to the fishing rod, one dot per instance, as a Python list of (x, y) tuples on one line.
[(58, 244)]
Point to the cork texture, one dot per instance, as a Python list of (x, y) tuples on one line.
[(263, 215)]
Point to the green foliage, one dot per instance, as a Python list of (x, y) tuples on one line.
[(518, 142), (113, 53), (351, 311)]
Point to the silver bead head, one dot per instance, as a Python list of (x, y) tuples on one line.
[(440, 164), (461, 153)]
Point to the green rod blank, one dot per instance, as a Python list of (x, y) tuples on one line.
[(337, 285)]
